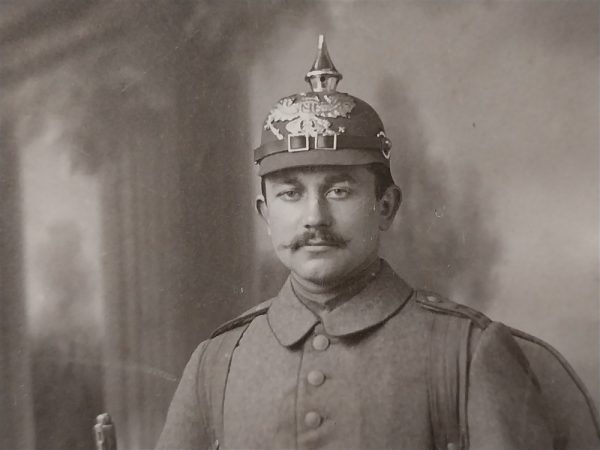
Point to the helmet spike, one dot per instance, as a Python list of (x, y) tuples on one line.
[(323, 76)]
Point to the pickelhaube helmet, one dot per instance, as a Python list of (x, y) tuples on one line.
[(321, 127)]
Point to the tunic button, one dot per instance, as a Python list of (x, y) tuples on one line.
[(312, 419), (320, 342), (316, 377)]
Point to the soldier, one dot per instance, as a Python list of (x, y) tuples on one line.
[(348, 355)]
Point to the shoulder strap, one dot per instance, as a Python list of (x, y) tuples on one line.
[(436, 303), (214, 370), (243, 319)]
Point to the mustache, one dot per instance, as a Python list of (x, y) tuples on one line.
[(322, 237)]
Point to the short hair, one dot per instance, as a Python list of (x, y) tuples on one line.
[(383, 179)]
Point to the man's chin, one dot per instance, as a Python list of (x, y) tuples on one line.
[(320, 270)]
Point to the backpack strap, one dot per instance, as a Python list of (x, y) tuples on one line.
[(214, 370), (447, 382), (448, 365)]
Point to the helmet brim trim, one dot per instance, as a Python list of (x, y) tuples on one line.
[(339, 157), (340, 141)]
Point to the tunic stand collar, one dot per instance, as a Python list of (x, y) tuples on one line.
[(291, 320), (331, 298)]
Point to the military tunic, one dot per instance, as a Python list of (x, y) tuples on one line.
[(355, 378)]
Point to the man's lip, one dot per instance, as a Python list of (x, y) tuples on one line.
[(321, 244), (319, 248)]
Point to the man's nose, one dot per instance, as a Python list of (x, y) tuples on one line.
[(317, 212)]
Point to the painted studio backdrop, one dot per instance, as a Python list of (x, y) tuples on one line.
[(127, 229)]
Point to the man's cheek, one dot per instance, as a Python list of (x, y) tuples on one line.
[(279, 237)]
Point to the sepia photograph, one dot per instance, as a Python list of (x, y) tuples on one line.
[(277, 224)]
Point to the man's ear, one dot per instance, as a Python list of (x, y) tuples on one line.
[(263, 210), (388, 206)]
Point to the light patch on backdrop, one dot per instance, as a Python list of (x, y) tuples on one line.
[(62, 273)]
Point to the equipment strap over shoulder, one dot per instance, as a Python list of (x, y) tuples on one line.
[(214, 370), (447, 378)]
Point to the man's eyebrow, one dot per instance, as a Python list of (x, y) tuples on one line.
[(339, 178), (285, 180), (329, 179)]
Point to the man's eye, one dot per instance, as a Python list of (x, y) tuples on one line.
[(338, 193), (289, 195)]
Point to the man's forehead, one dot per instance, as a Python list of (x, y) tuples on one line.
[(318, 173)]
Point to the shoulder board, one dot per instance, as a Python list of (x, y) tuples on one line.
[(436, 303), (243, 319)]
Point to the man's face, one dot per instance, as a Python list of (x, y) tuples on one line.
[(324, 221)]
